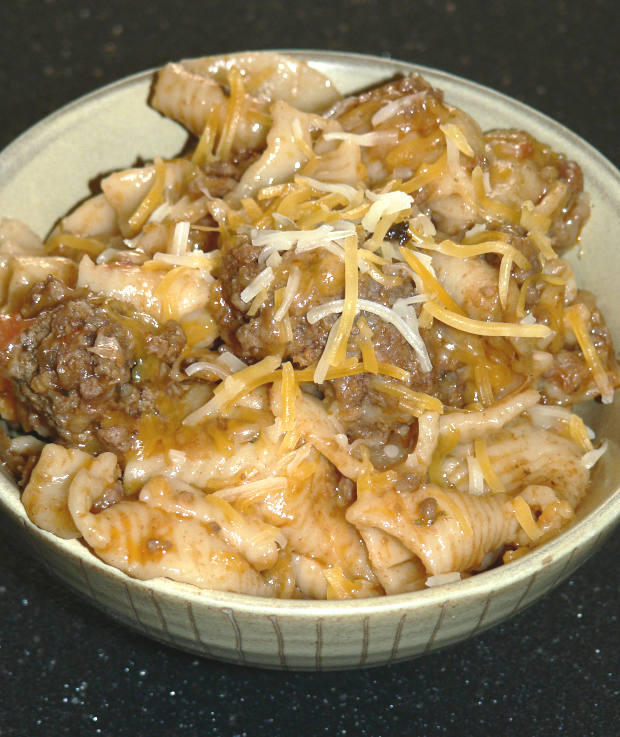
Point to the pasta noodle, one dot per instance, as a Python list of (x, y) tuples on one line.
[(332, 351)]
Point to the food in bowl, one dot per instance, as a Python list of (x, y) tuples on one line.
[(332, 352)]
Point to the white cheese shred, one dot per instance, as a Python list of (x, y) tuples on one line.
[(388, 314), (258, 284)]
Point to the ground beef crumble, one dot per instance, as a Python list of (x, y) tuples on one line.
[(74, 371)]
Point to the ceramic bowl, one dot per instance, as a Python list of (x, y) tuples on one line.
[(45, 171)]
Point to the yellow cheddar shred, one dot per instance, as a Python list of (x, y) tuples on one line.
[(488, 328), (152, 199), (482, 456), (493, 208), (91, 246), (233, 115), (579, 433), (369, 356), (431, 285), (524, 516), (416, 402), (289, 391), (203, 153), (575, 320), (349, 310)]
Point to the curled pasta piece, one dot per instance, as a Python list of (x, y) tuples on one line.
[(46, 494), (424, 522), (125, 282), (289, 145), (311, 515), (553, 512), (202, 464), (321, 430), (147, 543), (396, 567), (259, 542), (522, 455), (472, 282), (95, 218), (191, 90), (125, 190)]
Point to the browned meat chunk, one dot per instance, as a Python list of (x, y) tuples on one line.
[(77, 370)]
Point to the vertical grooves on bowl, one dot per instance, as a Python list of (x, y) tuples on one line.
[(431, 639), (564, 569), (138, 622), (281, 655), (364, 654), (483, 614), (197, 639), (160, 614), (238, 643), (397, 636), (517, 606), (319, 644)]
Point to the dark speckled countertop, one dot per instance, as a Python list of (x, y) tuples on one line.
[(66, 669)]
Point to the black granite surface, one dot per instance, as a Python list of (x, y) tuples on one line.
[(67, 669)]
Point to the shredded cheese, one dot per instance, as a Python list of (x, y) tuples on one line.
[(349, 308), (290, 290), (575, 320), (322, 367), (152, 199), (505, 270), (592, 457), (532, 281), (252, 489), (579, 432), (430, 283), (492, 208), (369, 356), (260, 282), (394, 107), (203, 153), (385, 313), (388, 203), (458, 250), (475, 475), (233, 114), (418, 403), (289, 389), (179, 243), (351, 194), (455, 133), (234, 387), (524, 516), (91, 246), (374, 138), (479, 327), (482, 456)]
